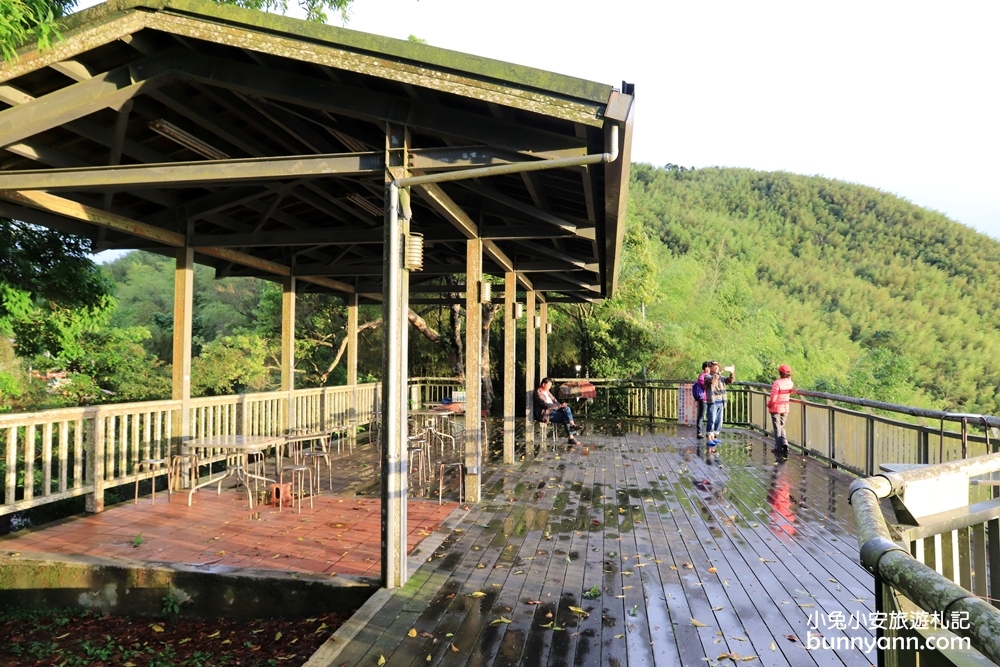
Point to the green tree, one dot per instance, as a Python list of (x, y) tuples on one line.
[(50, 290)]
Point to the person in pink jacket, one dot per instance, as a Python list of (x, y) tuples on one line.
[(777, 405)]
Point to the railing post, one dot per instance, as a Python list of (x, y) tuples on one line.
[(832, 449), (242, 417), (802, 428), (650, 402), (869, 446), (924, 447), (95, 463)]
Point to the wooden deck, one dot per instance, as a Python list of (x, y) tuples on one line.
[(694, 560)]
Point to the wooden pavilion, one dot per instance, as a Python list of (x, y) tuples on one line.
[(329, 160)]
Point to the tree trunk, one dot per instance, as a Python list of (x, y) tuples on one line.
[(489, 315)]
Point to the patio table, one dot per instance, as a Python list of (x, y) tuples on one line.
[(241, 446)]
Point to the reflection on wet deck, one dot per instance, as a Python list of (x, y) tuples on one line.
[(637, 548)]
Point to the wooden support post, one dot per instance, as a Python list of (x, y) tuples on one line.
[(395, 305), (543, 341), (509, 363), (530, 381), (95, 461), (473, 368), (352, 367), (288, 349), (181, 383)]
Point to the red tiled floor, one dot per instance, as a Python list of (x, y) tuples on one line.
[(340, 535)]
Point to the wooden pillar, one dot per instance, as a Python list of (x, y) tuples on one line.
[(530, 382), (543, 342), (395, 305), (352, 367), (509, 363), (183, 305), (473, 368), (288, 349)]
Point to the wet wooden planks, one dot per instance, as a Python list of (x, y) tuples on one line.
[(692, 559)]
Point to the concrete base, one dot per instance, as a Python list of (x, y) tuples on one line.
[(42, 581)]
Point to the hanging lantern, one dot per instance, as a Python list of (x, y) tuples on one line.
[(413, 258)]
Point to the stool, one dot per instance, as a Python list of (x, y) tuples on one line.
[(417, 446), (547, 429), (298, 473), (461, 480), (314, 456), (177, 465), (160, 466)]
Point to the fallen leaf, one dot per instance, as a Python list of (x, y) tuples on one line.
[(577, 610), (619, 636), (477, 594), (214, 635), (454, 648), (791, 638), (184, 641), (673, 567), (712, 570), (156, 627), (277, 636), (717, 608), (381, 660), (698, 624), (62, 636), (500, 620), (412, 632), (534, 602), (322, 626), (688, 566), (773, 647)]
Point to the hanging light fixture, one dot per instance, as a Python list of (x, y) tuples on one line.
[(186, 139), (548, 328), (485, 292), (538, 321), (413, 258), (518, 310)]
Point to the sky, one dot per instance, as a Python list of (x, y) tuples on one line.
[(900, 96)]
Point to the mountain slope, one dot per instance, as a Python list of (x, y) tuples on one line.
[(844, 271)]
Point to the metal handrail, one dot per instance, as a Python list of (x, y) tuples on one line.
[(891, 563)]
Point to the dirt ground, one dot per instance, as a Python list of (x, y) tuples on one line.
[(72, 638)]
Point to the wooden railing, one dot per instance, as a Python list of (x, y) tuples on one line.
[(54, 455)]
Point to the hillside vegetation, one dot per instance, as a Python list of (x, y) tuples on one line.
[(863, 292)]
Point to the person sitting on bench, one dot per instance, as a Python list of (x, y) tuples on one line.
[(547, 409)]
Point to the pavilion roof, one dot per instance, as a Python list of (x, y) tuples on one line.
[(265, 143)]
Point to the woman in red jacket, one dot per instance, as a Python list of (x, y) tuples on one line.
[(777, 405)]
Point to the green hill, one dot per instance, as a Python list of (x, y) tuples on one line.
[(861, 291)]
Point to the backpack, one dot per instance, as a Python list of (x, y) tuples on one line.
[(698, 390)]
